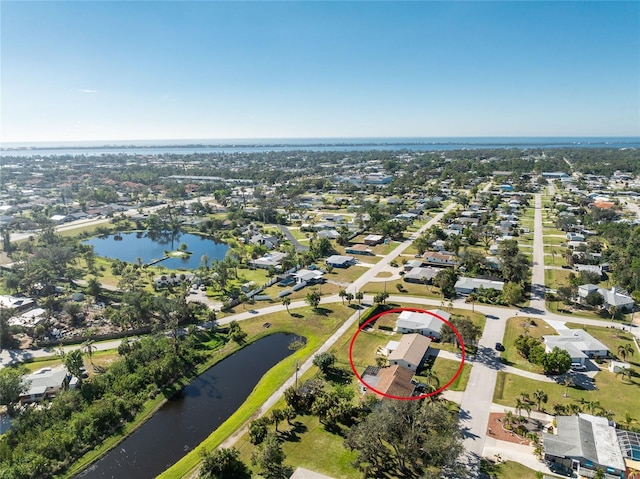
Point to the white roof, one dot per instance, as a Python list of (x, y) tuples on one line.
[(13, 301), (45, 378), (414, 320), (574, 339), (477, 283)]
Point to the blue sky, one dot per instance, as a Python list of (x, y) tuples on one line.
[(122, 70)]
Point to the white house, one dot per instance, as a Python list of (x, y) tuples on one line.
[(441, 259), (410, 352), (269, 260), (466, 285), (46, 383), (578, 343), (422, 323)]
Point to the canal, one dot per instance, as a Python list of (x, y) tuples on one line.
[(184, 422)]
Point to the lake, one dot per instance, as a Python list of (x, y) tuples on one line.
[(148, 247), (183, 423)]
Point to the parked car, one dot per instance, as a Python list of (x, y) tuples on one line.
[(499, 347), (578, 367)]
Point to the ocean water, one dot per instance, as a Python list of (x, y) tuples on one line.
[(158, 147)]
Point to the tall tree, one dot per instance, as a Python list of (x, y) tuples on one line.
[(407, 439)]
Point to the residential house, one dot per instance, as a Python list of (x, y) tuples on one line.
[(427, 323), (391, 381), (589, 268), (578, 343), (467, 286), (46, 383), (361, 249), (373, 240), (575, 236), (421, 275), (411, 264), (269, 241), (308, 276), (331, 234), (440, 259), (583, 444), (612, 297), (269, 260), (410, 352), (339, 261)]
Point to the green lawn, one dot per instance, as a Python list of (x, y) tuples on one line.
[(553, 240), (613, 393), (556, 259), (515, 327), (446, 368), (345, 275), (306, 443), (554, 278), (560, 308), (411, 289), (509, 470)]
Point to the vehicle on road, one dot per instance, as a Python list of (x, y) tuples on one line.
[(499, 347)]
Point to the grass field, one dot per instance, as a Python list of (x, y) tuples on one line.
[(554, 278), (508, 470), (514, 329), (613, 393), (411, 289), (556, 259)]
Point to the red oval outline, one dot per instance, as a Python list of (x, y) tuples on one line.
[(415, 310)]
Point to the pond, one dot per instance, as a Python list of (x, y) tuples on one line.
[(183, 423), (151, 247)]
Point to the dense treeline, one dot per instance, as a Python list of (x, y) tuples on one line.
[(622, 254), (43, 441)]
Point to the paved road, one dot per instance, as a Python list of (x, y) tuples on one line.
[(294, 241)]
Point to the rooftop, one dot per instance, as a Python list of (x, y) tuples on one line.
[(411, 348)]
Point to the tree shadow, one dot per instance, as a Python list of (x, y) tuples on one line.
[(322, 311), (297, 315), (293, 434), (338, 376)]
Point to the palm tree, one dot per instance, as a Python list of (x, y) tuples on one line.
[(88, 347), (593, 406), (540, 396), (567, 382), (628, 419), (508, 420), (286, 301), (342, 293), (625, 350)]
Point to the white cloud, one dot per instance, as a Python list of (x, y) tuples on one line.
[(88, 91)]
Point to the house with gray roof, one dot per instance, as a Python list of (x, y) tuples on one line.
[(46, 383), (583, 444), (612, 297), (578, 343)]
